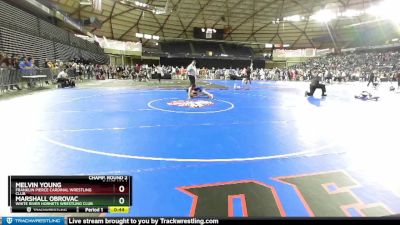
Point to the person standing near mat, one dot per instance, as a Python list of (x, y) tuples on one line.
[(249, 70), (246, 73), (398, 81), (371, 78), (192, 72), (159, 72), (315, 83)]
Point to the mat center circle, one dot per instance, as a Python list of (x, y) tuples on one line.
[(198, 106)]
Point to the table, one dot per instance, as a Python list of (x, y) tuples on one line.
[(35, 77)]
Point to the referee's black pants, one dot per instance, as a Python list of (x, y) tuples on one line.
[(192, 80), (314, 87)]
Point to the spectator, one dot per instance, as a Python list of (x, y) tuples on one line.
[(63, 80)]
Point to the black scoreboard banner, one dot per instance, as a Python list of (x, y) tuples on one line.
[(210, 221), (58, 194), (194, 221)]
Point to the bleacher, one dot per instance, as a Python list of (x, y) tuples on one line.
[(15, 42), (176, 48), (205, 47), (23, 33), (18, 19), (48, 30), (237, 50), (201, 49), (65, 52)]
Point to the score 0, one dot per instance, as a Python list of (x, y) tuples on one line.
[(124, 190), (121, 189)]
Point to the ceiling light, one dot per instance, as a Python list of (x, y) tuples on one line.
[(268, 45), (387, 9), (294, 18), (324, 16), (85, 2), (144, 6), (351, 13)]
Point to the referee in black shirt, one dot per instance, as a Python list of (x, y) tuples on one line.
[(315, 84)]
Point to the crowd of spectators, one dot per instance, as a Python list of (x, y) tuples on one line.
[(354, 66), (21, 63), (24, 65)]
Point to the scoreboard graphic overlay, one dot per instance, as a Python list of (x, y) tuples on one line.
[(86, 194)]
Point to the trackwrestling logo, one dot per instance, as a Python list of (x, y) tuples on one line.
[(191, 103), (33, 220)]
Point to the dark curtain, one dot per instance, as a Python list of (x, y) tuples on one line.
[(209, 63)]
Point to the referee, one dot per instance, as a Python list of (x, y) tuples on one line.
[(315, 84), (192, 72)]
